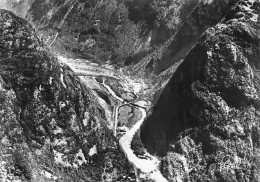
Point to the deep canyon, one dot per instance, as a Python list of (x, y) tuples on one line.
[(133, 90)]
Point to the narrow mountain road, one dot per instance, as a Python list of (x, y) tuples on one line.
[(86, 68), (150, 165), (112, 92)]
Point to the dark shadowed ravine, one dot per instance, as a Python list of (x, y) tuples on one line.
[(129, 91)]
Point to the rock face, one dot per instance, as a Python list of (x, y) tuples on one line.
[(96, 30), (145, 37), (206, 122), (202, 16), (205, 125), (19, 7), (49, 124), (151, 33)]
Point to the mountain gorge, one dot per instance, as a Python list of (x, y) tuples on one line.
[(133, 90), (206, 119), (126, 33), (48, 117)]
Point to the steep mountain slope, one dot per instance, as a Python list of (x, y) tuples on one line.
[(77, 82), (19, 7), (50, 122), (96, 30), (181, 26), (148, 36), (144, 39), (206, 122)]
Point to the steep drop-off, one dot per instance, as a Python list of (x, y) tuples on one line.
[(50, 122), (204, 125), (143, 35), (146, 39), (206, 122)]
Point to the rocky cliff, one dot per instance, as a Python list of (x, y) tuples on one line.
[(19, 7), (61, 125), (144, 37), (206, 122), (49, 122), (147, 39)]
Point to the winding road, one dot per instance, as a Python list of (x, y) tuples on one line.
[(150, 165)]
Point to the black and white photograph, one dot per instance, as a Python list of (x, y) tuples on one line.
[(129, 91)]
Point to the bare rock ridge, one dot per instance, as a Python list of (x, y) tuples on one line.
[(60, 125), (49, 124), (206, 122)]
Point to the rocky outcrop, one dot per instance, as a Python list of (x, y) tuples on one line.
[(206, 122), (181, 26), (49, 123), (19, 7), (205, 126), (202, 16)]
